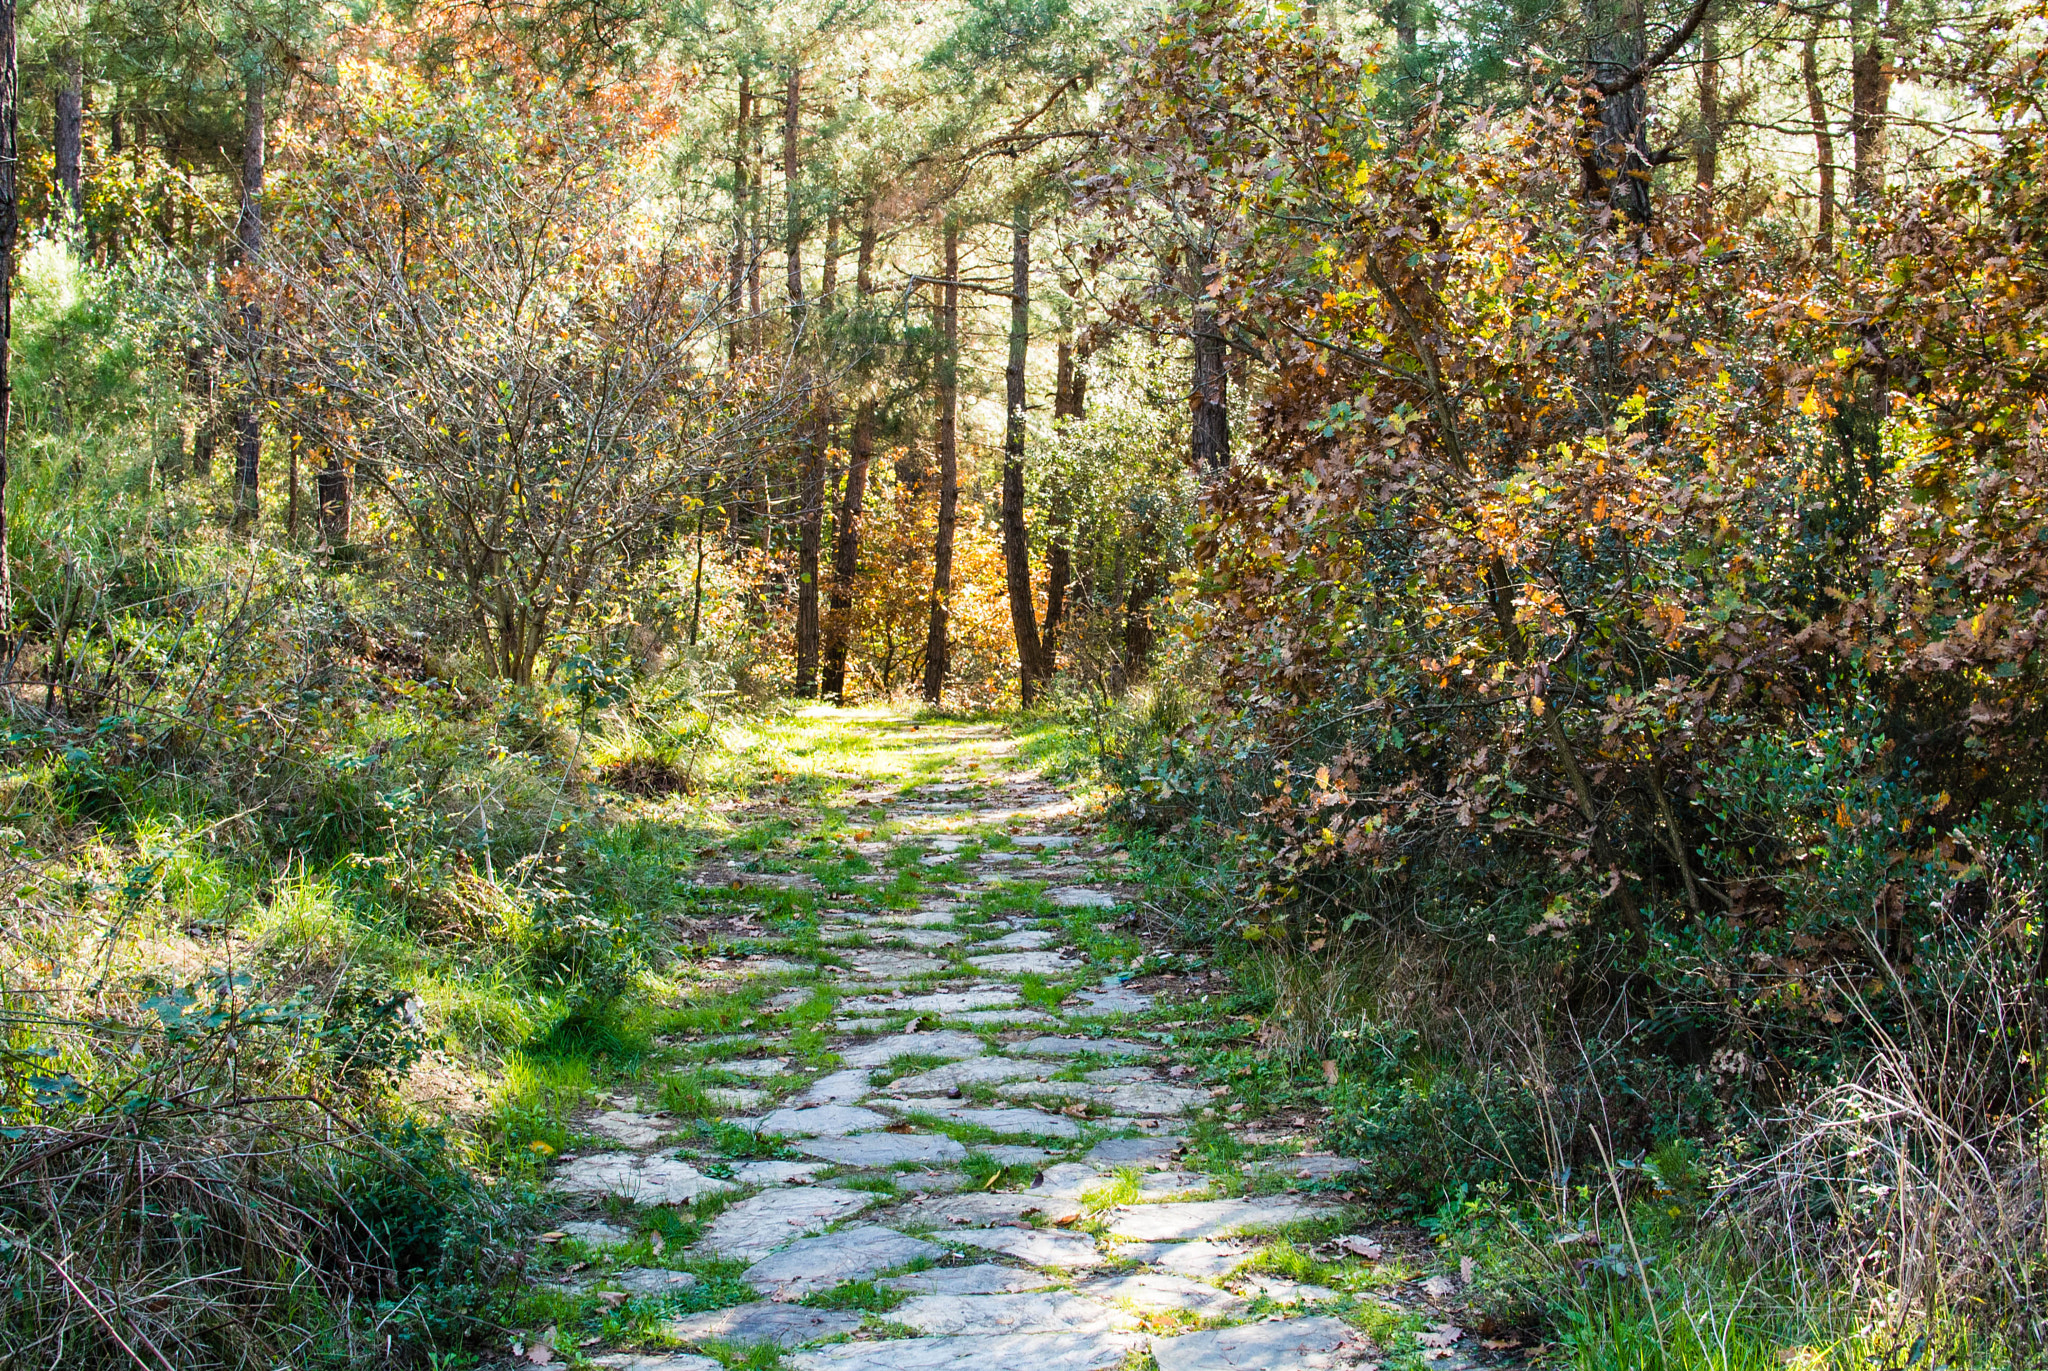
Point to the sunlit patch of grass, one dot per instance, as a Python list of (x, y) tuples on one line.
[(1127, 1186), (864, 1296)]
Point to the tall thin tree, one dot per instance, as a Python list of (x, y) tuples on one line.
[(10, 223), (248, 419), (1031, 669), (861, 453), (949, 464)]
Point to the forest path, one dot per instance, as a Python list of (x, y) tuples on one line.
[(948, 1131)]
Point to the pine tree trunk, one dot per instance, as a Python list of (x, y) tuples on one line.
[(70, 135), (331, 489), (949, 467), (1624, 152), (1031, 672), (1209, 439), (1823, 146), (741, 195), (1707, 150), (846, 548), (813, 433), (248, 419), (1059, 556), (10, 224), (1870, 89)]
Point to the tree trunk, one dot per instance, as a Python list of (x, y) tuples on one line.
[(10, 223), (949, 465), (846, 550), (248, 421), (810, 539), (1707, 151), (1138, 634), (1031, 671), (741, 195), (1823, 145), (1067, 403), (1209, 439), (792, 219), (1870, 90), (331, 489), (1622, 156), (70, 134)]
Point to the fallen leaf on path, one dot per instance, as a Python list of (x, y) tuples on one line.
[(1439, 1287), (1440, 1335), (1467, 1269), (1360, 1246)]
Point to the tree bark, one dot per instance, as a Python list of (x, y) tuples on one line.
[(1068, 402), (741, 195), (1870, 89), (813, 433), (949, 466), (70, 134), (846, 548), (1031, 670), (248, 421), (10, 224), (331, 489), (792, 219), (1623, 155), (1209, 437), (1823, 145), (1707, 151)]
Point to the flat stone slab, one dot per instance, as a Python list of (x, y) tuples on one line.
[(1044, 841), (1023, 940), (1200, 1260), (1282, 1345), (1102, 1004), (1119, 1075), (757, 1066), (1076, 1047), (630, 1176), (1027, 1351), (1132, 1151), (958, 1075), (1206, 1218), (896, 965), (1039, 1312), (945, 1043), (1003, 1018), (1013, 1154), (597, 1233), (884, 1149), (774, 1173), (840, 1087), (1312, 1168), (1155, 1292), (751, 1229), (1061, 1251), (984, 1279), (822, 1121), (981, 1208), (951, 1002), (1030, 1123), (649, 1282), (848, 1254), (654, 1361), (631, 1128), (1152, 1099), (729, 1097), (1280, 1290), (927, 937), (919, 918), (1026, 964), (749, 1325), (1080, 897)]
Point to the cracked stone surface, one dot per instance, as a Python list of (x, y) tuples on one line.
[(1080, 897), (1007, 1122), (1037, 1312), (1282, 1345), (654, 1361), (649, 1282), (1206, 1218), (774, 1173), (840, 1087), (1076, 1047), (596, 1233), (1136, 1151), (946, 1043), (957, 1075), (983, 1207), (632, 1129), (819, 1121), (982, 1279), (643, 1180), (1023, 940), (1155, 1291), (884, 1149), (749, 1325), (1201, 1260), (1060, 1251), (998, 1352), (1025, 964), (751, 1229), (847, 1254)]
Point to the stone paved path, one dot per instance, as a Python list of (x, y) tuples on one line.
[(956, 1104)]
